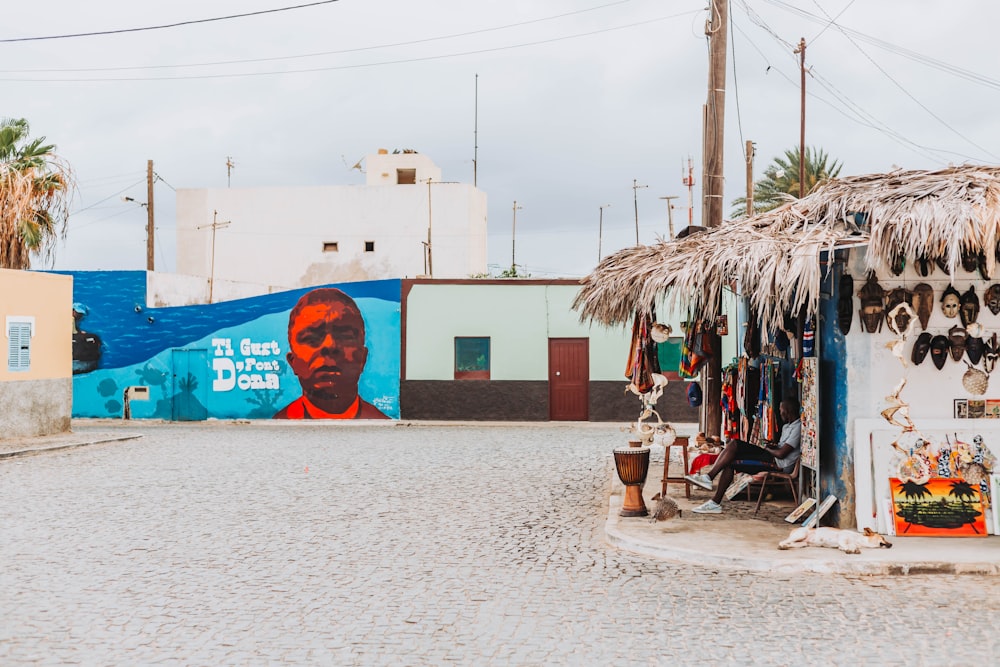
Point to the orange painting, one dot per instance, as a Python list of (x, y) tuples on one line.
[(943, 507)]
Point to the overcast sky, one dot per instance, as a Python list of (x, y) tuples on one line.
[(575, 100)]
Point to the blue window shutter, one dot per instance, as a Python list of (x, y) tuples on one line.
[(19, 350)]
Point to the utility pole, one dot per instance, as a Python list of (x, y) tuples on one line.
[(229, 171), (670, 216), (716, 30), (475, 135), (150, 226), (600, 231), (513, 230), (750, 156), (635, 203), (688, 182), (430, 260), (802, 117), (214, 226)]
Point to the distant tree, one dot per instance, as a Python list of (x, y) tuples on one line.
[(781, 180), (35, 190)]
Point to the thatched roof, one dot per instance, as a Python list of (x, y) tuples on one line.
[(774, 257)]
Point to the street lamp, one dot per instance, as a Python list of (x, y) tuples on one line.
[(600, 231), (670, 216)]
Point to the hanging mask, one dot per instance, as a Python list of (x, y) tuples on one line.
[(872, 304), (984, 270), (923, 303), (925, 267), (942, 263), (897, 263), (993, 299), (969, 306), (970, 260), (901, 319), (950, 302), (992, 354), (845, 303), (957, 336)]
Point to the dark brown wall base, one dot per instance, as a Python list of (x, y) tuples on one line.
[(527, 401)]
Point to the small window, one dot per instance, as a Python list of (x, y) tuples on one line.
[(369, 246), (331, 246), (406, 176), (19, 343), (472, 358)]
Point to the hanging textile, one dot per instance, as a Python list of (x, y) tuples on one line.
[(729, 404), (696, 349), (643, 359)]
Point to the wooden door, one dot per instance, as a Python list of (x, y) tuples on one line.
[(569, 379), (190, 384)]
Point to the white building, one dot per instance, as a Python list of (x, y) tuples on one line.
[(287, 237)]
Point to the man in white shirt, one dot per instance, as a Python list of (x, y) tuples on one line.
[(740, 456)]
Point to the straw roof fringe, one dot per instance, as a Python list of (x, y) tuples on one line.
[(773, 258)]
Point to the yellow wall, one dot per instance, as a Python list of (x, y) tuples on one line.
[(49, 299)]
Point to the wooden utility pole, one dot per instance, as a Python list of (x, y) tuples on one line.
[(712, 186), (150, 226), (635, 203), (802, 117), (211, 271), (750, 152)]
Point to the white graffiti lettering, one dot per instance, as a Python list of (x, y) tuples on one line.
[(248, 373), (225, 374)]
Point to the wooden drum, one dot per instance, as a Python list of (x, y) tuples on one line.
[(632, 464)]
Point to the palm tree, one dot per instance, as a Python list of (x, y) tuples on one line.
[(914, 493), (781, 180), (35, 189)]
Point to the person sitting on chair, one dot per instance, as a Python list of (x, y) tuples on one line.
[(740, 456)]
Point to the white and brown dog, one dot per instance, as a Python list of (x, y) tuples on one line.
[(847, 541)]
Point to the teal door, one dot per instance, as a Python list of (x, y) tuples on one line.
[(190, 385)]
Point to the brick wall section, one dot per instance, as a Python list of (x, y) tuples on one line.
[(527, 401)]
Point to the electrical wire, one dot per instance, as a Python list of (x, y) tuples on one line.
[(101, 201), (316, 54), (165, 25), (355, 66)]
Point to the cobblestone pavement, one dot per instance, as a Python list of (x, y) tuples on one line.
[(409, 545)]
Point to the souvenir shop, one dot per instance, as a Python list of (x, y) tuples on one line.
[(877, 299)]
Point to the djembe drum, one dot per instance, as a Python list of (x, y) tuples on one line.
[(632, 464)]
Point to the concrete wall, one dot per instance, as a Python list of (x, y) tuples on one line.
[(276, 236), (38, 401), (519, 317)]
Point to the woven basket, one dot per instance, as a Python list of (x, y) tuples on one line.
[(975, 381)]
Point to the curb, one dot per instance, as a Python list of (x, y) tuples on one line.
[(618, 538), (77, 443)]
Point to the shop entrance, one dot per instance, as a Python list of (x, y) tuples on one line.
[(569, 379)]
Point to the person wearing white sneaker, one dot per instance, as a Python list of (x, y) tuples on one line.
[(740, 456)]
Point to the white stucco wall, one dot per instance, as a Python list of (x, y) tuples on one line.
[(276, 235), (873, 373)]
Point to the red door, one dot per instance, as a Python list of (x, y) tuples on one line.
[(569, 378)]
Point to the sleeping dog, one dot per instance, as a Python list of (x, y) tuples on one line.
[(847, 541)]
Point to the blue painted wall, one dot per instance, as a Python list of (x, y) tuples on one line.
[(836, 453), (242, 344)]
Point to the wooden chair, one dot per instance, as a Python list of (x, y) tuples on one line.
[(793, 483)]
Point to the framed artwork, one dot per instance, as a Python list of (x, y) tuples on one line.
[(993, 408), (977, 408), (942, 507), (961, 408)]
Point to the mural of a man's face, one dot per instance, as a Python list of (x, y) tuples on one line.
[(327, 350)]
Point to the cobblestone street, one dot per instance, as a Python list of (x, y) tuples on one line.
[(209, 544)]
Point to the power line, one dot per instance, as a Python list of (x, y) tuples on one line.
[(356, 66), (165, 25), (313, 55)]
